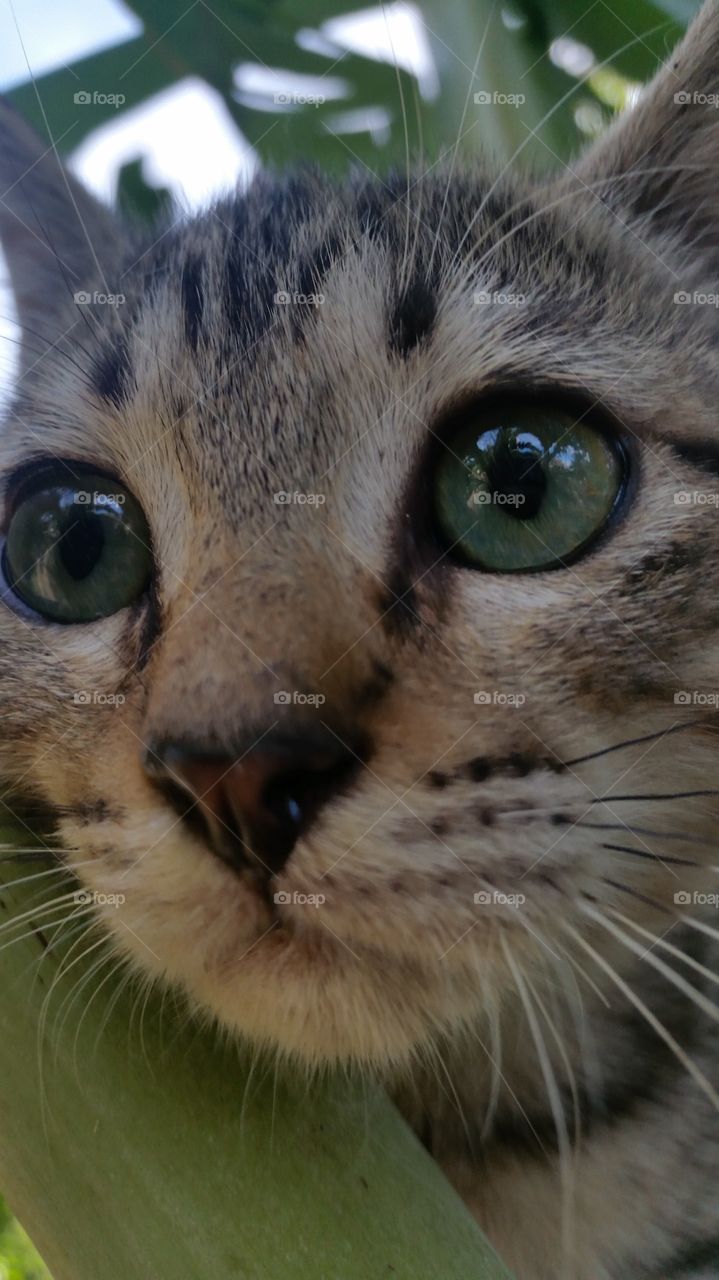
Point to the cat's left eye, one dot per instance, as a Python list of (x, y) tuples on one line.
[(522, 487), (76, 551)]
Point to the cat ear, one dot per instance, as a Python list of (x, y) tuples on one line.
[(659, 162), (57, 239)]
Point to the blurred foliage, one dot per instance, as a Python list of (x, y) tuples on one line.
[(136, 196), (296, 92), (18, 1259), (285, 120)]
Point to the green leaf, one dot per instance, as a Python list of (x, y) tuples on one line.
[(635, 39), (681, 10), (127, 69), (137, 198), (211, 40)]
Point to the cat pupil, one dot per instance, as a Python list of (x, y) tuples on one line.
[(514, 469), (82, 546)]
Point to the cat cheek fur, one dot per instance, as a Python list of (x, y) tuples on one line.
[(477, 916)]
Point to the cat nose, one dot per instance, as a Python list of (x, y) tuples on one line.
[(253, 809)]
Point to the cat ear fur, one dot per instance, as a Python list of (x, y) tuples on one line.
[(658, 164), (58, 240)]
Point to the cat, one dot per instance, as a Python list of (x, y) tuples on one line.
[(359, 627)]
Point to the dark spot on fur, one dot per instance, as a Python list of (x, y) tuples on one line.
[(559, 820), (548, 880), (399, 605), (703, 453), (413, 316), (383, 672), (377, 685), (487, 817), (193, 298), (91, 811), (310, 280), (371, 206), (111, 373), (313, 267), (249, 286), (555, 764), (439, 826), (479, 769), (661, 565), (521, 765), (437, 779)]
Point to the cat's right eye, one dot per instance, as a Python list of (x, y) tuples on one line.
[(75, 552)]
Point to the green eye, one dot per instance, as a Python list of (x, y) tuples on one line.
[(76, 552), (522, 487)]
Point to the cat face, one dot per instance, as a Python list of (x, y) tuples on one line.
[(355, 719)]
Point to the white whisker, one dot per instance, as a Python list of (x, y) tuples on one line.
[(688, 1063)]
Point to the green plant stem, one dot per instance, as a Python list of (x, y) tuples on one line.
[(159, 1155)]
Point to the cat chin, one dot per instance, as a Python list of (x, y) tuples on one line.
[(304, 996), (286, 972)]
